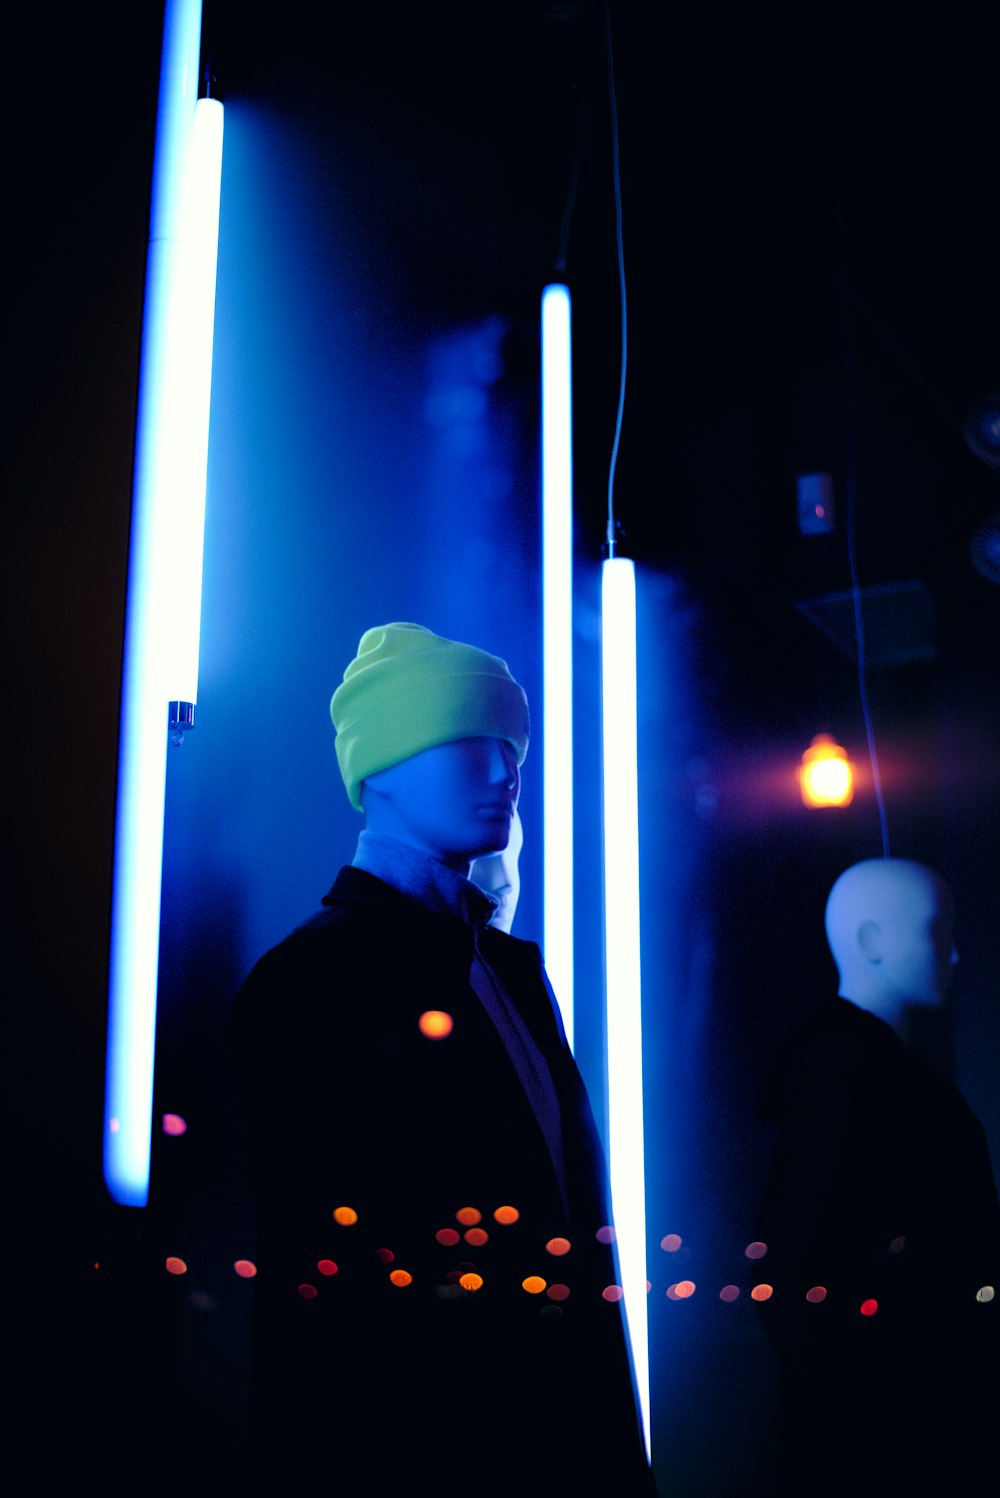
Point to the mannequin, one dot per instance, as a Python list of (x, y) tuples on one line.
[(419, 1131), (498, 875), (880, 1213)]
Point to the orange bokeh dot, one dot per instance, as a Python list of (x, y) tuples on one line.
[(469, 1216), (605, 1234), (436, 1024), (506, 1215), (534, 1284), (245, 1268), (869, 1307), (174, 1124), (729, 1293), (446, 1236), (755, 1250), (816, 1295), (401, 1277), (476, 1236), (326, 1266), (346, 1216), (684, 1289), (558, 1292), (385, 1255), (176, 1266), (471, 1281), (612, 1292), (762, 1292), (308, 1292), (671, 1243), (558, 1247)]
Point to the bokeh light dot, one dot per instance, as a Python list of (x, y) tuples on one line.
[(401, 1278), (471, 1281), (558, 1292), (326, 1267), (729, 1293), (869, 1307), (469, 1216), (506, 1215), (612, 1292), (558, 1247), (684, 1289), (816, 1295), (175, 1266), (447, 1236), (985, 1294), (534, 1284), (755, 1250), (436, 1024), (308, 1292), (897, 1245), (671, 1243), (173, 1124), (245, 1268), (476, 1236), (345, 1216), (605, 1234), (762, 1292), (385, 1255)]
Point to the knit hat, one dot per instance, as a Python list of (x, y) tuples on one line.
[(408, 689)]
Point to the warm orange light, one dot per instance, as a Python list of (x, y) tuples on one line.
[(671, 1243), (175, 1266), (476, 1236), (469, 1216), (684, 1289), (557, 1247), (534, 1284), (506, 1215), (471, 1281), (245, 1268), (436, 1024), (346, 1216), (401, 1278), (826, 777), (762, 1292)]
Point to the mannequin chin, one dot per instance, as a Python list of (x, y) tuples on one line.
[(498, 875), (890, 924)]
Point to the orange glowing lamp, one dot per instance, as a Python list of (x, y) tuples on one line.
[(826, 776)]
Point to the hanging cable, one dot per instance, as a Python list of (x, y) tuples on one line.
[(852, 553), (616, 176)]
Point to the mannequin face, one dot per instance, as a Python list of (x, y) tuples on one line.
[(498, 875), (890, 924), (455, 801)]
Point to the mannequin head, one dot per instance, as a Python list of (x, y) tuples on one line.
[(498, 875), (889, 923), (455, 801)]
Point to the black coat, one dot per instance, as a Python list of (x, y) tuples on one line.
[(350, 1105)]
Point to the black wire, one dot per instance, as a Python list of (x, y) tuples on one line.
[(616, 171)]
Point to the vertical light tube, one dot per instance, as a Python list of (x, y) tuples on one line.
[(623, 968), (557, 632), (164, 581)]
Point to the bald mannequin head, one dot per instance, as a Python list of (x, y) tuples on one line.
[(889, 923)]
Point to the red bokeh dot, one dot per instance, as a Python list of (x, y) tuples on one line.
[(762, 1292), (174, 1124), (729, 1293), (671, 1243), (869, 1307), (816, 1295), (469, 1216), (476, 1236), (326, 1266), (308, 1292), (558, 1247), (612, 1292), (385, 1255), (506, 1215), (558, 1292), (245, 1268), (175, 1265), (755, 1250), (447, 1236)]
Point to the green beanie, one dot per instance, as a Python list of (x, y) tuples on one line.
[(408, 689)]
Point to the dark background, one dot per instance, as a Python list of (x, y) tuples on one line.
[(397, 186)]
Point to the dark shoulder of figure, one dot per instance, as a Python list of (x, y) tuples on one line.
[(837, 1044)]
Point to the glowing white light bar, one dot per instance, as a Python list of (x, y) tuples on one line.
[(557, 632), (624, 981), (164, 583)]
